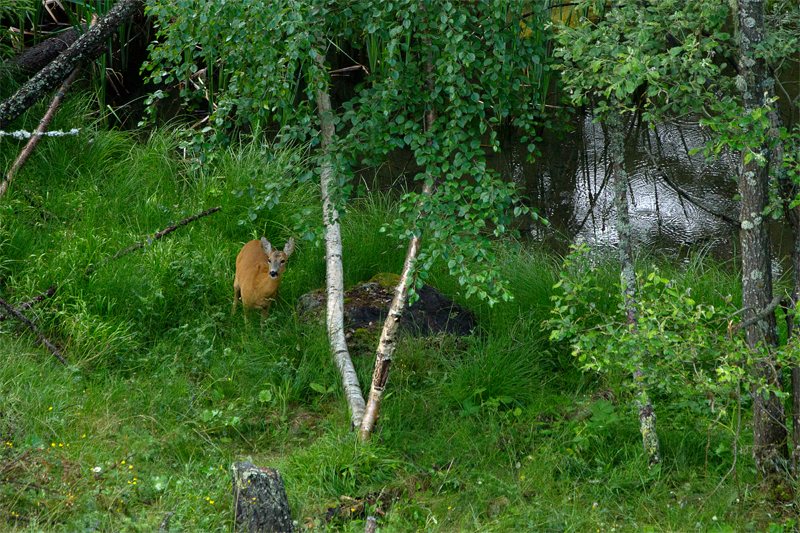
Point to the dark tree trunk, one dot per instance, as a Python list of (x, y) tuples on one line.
[(86, 48), (37, 57), (793, 216), (260, 503), (647, 416), (795, 419), (769, 429), (789, 191)]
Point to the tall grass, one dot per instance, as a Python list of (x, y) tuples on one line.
[(495, 432)]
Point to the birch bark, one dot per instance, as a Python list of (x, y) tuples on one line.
[(387, 342), (647, 416), (333, 263)]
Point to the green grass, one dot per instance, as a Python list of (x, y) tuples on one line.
[(497, 432)]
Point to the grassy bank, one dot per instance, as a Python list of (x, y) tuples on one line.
[(497, 432)]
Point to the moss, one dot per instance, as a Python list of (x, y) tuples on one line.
[(386, 279), (364, 335)]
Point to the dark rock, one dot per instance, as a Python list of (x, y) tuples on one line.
[(367, 305)]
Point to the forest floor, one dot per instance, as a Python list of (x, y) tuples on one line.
[(164, 388)]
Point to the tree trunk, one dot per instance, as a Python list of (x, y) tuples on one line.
[(769, 429), (334, 271), (386, 344), (259, 500), (789, 191), (41, 128), (86, 48), (795, 375), (647, 416), (37, 57)]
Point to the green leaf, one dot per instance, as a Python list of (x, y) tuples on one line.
[(265, 396), (319, 388)]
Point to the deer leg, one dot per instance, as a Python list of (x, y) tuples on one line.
[(265, 310), (237, 295)]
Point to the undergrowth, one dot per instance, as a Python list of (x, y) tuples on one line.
[(165, 388)]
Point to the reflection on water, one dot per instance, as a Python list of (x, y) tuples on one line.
[(678, 202)]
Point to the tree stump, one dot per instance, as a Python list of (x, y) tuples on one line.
[(260, 503)]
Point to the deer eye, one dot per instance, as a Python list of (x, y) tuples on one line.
[(283, 261)]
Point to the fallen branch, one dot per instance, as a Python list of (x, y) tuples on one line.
[(36, 299), (164, 527), (29, 485), (40, 129), (157, 236), (32, 326), (52, 290)]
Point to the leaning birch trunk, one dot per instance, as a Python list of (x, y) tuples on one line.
[(387, 343), (647, 416), (334, 270)]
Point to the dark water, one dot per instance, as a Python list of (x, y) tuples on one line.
[(572, 186), (680, 204)]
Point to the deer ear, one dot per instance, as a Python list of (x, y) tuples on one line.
[(266, 246), (289, 248)]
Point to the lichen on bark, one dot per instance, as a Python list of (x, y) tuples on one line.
[(647, 417), (84, 49)]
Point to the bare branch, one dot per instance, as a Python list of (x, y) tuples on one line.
[(32, 326), (157, 236), (776, 300), (37, 135)]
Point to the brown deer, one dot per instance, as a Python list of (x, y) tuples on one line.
[(259, 269)]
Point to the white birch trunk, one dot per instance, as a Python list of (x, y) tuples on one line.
[(387, 343), (334, 271)]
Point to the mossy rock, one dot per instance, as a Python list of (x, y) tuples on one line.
[(366, 307), (386, 280), (364, 335)]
